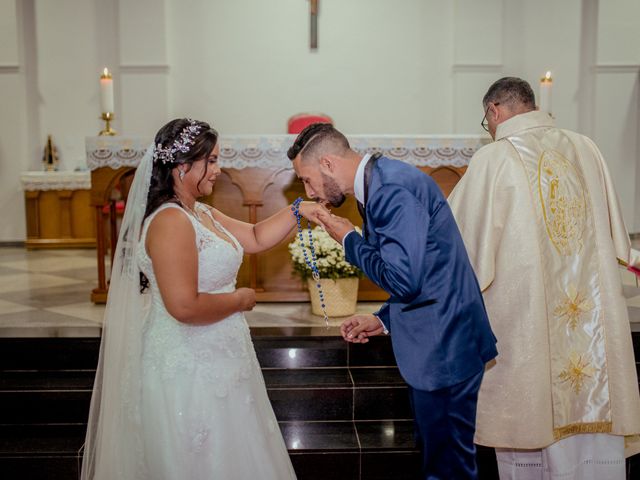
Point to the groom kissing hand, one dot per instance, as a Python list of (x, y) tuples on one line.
[(411, 248)]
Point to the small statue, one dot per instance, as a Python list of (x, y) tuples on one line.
[(50, 157)]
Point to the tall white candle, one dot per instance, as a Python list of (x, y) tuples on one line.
[(106, 92), (544, 103)]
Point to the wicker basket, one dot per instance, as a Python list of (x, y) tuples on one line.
[(341, 296)]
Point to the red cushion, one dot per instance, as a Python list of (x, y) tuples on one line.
[(119, 208), (298, 122)]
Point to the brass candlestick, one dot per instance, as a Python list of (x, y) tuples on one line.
[(108, 118)]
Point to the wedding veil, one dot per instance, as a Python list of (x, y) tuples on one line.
[(112, 447)]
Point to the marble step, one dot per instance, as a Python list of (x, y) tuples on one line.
[(340, 449), (291, 351), (49, 353), (320, 394)]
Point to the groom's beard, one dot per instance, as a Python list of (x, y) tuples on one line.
[(332, 191)]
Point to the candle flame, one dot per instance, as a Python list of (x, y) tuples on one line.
[(548, 75), (105, 73)]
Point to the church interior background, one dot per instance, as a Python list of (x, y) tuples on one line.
[(405, 78)]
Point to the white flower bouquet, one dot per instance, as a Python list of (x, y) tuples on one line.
[(329, 256)]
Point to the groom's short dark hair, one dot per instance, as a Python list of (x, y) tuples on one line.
[(315, 137)]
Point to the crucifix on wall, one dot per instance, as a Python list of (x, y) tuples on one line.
[(313, 30)]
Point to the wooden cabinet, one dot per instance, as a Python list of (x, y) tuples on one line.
[(58, 214)]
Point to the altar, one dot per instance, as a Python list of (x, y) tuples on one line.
[(257, 181)]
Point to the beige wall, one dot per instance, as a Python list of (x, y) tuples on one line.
[(383, 66)]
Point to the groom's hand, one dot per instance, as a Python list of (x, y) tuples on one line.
[(312, 211), (336, 227), (358, 328)]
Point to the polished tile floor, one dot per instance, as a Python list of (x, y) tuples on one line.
[(46, 293)]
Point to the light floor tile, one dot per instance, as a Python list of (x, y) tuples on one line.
[(633, 302), (86, 311), (28, 281), (50, 264), (7, 307), (297, 314)]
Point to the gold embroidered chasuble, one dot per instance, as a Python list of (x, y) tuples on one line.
[(542, 226)]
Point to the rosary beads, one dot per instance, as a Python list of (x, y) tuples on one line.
[(311, 263)]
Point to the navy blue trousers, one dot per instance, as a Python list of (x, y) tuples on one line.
[(445, 423)]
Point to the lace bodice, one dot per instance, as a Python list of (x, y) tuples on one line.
[(200, 351), (218, 260)]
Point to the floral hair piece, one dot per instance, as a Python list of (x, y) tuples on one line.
[(181, 144)]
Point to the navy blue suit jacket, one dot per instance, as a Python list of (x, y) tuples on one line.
[(414, 251)]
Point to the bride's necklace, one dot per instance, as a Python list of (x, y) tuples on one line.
[(295, 208), (189, 209)]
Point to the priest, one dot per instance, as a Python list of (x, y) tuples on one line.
[(541, 222)]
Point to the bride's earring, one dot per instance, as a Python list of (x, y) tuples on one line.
[(181, 174)]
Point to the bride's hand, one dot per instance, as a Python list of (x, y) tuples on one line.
[(247, 297), (312, 211)]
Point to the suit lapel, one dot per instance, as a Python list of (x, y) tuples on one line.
[(368, 169)]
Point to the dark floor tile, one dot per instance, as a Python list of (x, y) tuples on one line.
[(49, 353), (487, 465), (386, 435), (317, 377), (382, 403), (22, 440), (376, 353), (9, 254), (49, 380), (88, 274), (390, 465), (324, 466), (40, 468), (307, 404), (9, 271), (376, 376), (301, 352), (305, 437), (44, 407), (633, 467), (635, 337)]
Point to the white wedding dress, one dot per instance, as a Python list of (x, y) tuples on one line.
[(204, 408)]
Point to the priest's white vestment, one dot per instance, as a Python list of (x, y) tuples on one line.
[(543, 228)]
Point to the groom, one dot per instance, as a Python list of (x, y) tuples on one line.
[(435, 315)]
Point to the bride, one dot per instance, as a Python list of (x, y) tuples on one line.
[(179, 392)]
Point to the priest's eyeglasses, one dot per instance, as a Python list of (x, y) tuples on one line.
[(484, 123)]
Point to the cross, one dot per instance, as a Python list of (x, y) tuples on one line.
[(313, 15)]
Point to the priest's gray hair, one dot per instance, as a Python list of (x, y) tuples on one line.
[(512, 91)]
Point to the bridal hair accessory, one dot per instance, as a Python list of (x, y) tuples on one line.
[(181, 144), (295, 208)]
